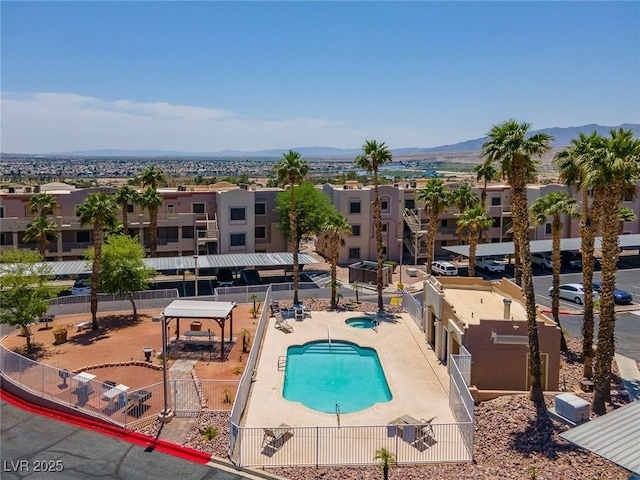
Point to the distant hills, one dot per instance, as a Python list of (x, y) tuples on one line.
[(562, 137)]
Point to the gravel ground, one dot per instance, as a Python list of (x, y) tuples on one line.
[(512, 440)]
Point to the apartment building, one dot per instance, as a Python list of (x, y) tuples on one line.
[(227, 218), (220, 218)]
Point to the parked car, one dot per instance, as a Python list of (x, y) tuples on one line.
[(225, 277), (620, 297), (571, 260), (489, 264), (82, 286), (542, 260), (440, 267), (574, 292)]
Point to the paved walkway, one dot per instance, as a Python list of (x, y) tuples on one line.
[(630, 375), (177, 430)]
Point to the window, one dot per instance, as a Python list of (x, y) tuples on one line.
[(237, 214), (443, 223), (187, 232), (171, 209), (130, 207), (547, 229), (384, 250), (495, 201), (410, 203), (1, 212), (261, 208), (385, 227), (354, 207), (83, 236), (354, 253), (496, 221), (261, 232), (238, 239), (355, 230), (197, 208), (384, 204)]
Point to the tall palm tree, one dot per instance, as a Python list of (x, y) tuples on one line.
[(292, 169), (373, 156), (100, 210), (474, 220), (485, 171), (153, 176), (41, 230), (123, 196), (334, 228), (42, 204), (151, 199), (510, 145), (569, 163), (464, 197), (612, 171), (554, 205), (436, 197)]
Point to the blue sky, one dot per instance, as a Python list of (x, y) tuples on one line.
[(209, 76)]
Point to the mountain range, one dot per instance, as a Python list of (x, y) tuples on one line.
[(562, 138)]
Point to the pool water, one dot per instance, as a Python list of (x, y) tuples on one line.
[(320, 375), (361, 322)]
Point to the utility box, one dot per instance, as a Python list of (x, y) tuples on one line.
[(572, 407)]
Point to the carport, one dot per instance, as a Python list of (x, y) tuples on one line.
[(503, 249)]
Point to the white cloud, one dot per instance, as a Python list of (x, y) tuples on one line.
[(58, 122)]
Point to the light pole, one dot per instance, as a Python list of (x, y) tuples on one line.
[(195, 259), (166, 415), (400, 245)]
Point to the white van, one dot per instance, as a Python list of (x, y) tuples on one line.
[(443, 268)]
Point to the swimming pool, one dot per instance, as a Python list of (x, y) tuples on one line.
[(320, 375), (361, 322)]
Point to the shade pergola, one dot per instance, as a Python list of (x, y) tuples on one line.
[(202, 309)]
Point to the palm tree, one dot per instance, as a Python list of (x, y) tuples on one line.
[(42, 204), (474, 220), (123, 196), (464, 197), (510, 145), (387, 459), (436, 197), (292, 169), (485, 171), (373, 156), (611, 171), (625, 215), (335, 226), (569, 163), (100, 210), (151, 199), (555, 204), (41, 230), (152, 176)]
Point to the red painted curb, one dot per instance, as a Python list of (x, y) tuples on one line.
[(560, 313), (107, 429)]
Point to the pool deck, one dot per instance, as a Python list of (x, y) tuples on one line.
[(417, 380)]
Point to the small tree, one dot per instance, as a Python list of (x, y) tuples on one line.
[(387, 459), (24, 289), (123, 270), (246, 338)]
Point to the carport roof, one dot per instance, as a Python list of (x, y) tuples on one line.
[(537, 246), (614, 436), (282, 259), (198, 309)]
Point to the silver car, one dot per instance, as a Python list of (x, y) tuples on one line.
[(574, 292)]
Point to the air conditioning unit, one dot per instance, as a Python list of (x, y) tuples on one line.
[(572, 407)]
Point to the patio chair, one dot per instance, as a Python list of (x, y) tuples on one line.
[(282, 324), (275, 437), (275, 308)]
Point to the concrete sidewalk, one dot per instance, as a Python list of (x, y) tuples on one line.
[(630, 375)]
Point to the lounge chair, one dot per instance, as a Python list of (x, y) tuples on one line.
[(275, 437), (424, 430), (282, 324), (275, 308)]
